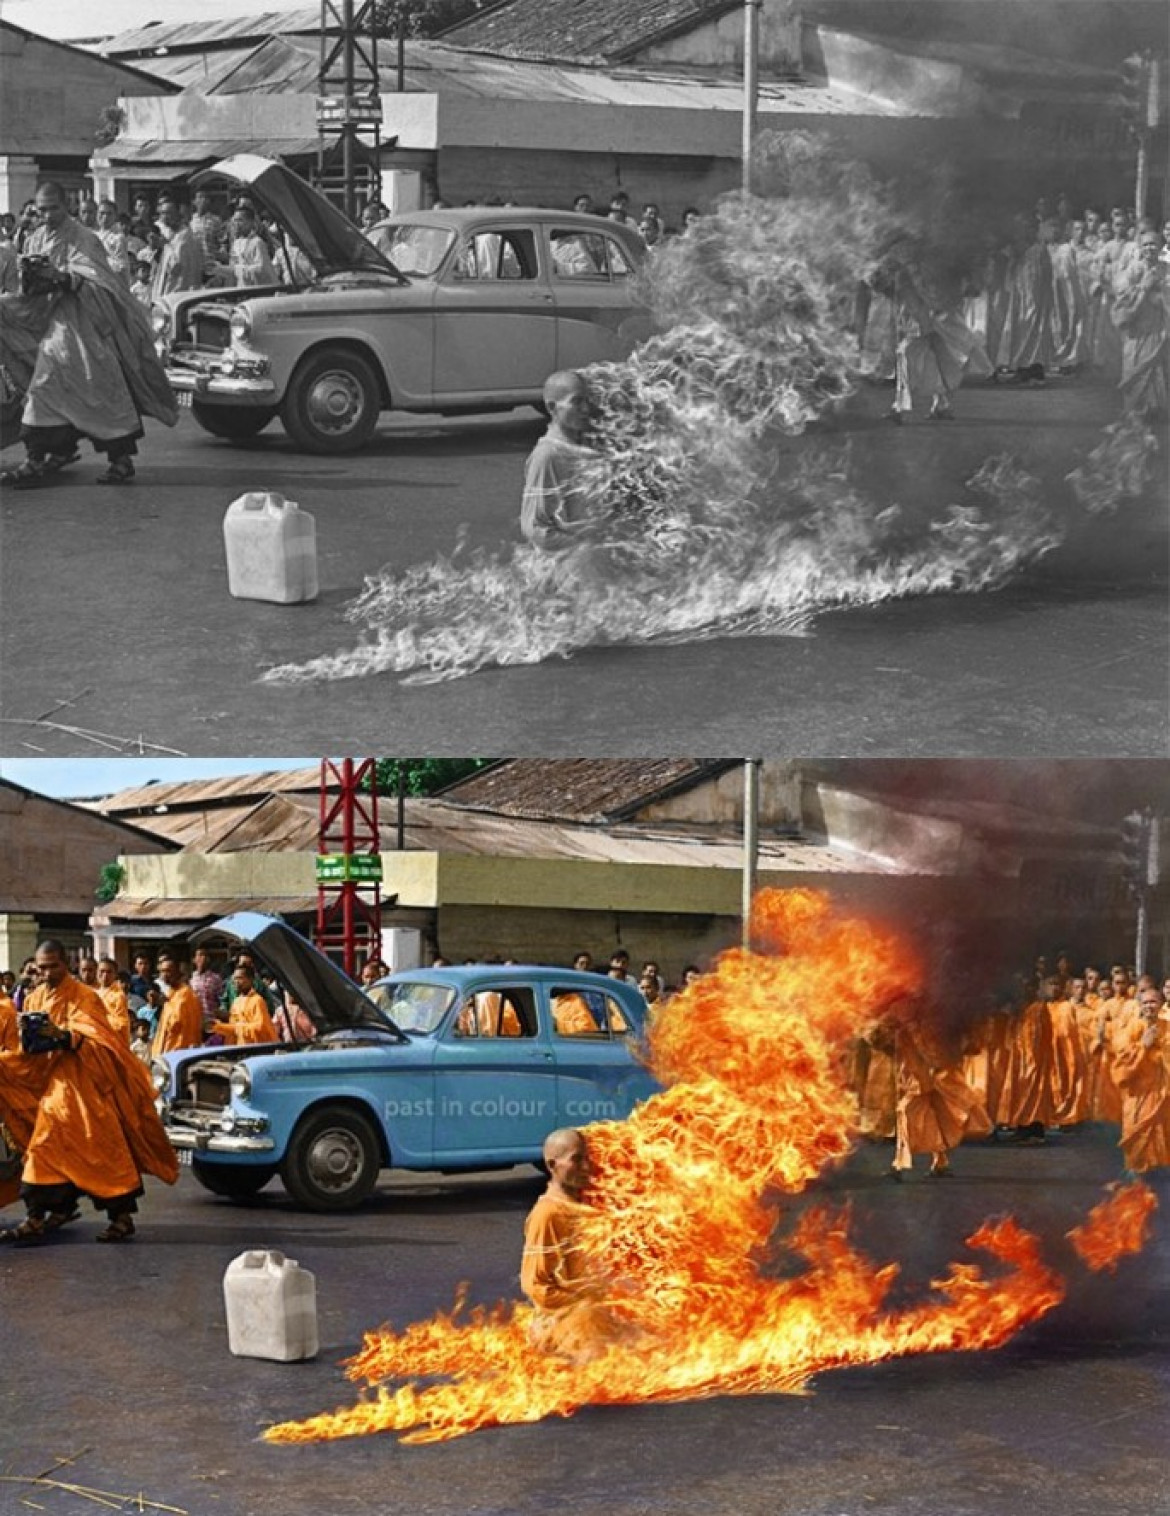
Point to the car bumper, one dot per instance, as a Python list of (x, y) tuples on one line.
[(184, 1139), (234, 389)]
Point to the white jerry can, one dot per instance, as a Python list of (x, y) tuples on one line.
[(271, 1307), (271, 549)]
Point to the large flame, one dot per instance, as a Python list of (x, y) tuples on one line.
[(684, 1212)]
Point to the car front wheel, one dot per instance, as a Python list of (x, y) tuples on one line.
[(234, 422), (236, 1181), (333, 1160), (332, 402)]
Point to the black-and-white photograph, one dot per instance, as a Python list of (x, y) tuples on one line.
[(778, 377)]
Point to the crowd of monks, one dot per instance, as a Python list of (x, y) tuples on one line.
[(1060, 293), (1071, 1048)]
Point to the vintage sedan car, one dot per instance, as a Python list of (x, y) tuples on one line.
[(458, 1069), (451, 311)]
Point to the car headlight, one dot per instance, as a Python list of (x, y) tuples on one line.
[(160, 320), (227, 365), (241, 323), (240, 1082), (160, 1075)]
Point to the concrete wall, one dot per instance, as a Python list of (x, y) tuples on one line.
[(52, 95), (720, 801)]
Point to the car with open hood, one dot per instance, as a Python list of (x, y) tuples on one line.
[(452, 1069), (449, 311)]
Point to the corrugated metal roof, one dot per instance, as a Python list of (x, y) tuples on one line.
[(189, 912), (579, 789), (200, 34), (202, 792), (597, 32)]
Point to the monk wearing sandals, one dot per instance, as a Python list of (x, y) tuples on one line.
[(80, 1107)]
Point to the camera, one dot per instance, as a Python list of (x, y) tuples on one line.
[(39, 1033), (38, 276)]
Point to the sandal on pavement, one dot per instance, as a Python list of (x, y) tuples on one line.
[(55, 1220), (120, 471), (120, 1229), (24, 476), (31, 1230)]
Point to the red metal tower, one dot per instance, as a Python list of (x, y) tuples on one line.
[(349, 862)]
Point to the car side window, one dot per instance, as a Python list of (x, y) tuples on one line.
[(588, 255), (497, 1013), (587, 1013), (497, 256)]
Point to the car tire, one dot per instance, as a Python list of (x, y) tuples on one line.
[(234, 1181), (235, 424), (332, 402), (333, 1160)]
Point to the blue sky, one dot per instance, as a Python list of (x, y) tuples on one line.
[(81, 778)]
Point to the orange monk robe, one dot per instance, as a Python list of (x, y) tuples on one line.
[(1027, 1088), (985, 1058), (937, 1108), (117, 1008), (572, 1017), (1116, 1013), (1143, 1076), (180, 1022), (9, 1029), (1070, 1074), (248, 1021), (1091, 1030), (876, 1085), (83, 1116), (569, 1315)]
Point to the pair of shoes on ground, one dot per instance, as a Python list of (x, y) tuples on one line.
[(35, 471)]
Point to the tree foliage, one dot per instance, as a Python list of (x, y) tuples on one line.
[(424, 776), (110, 881), (423, 18)]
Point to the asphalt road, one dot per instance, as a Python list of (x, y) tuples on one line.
[(119, 634), (114, 1362)]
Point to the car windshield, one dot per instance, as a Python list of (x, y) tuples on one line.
[(417, 1007), (415, 250)]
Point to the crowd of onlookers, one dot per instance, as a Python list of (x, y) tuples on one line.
[(167, 244)]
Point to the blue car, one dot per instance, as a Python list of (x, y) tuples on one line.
[(452, 1069)]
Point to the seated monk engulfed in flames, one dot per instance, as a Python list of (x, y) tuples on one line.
[(650, 1262)]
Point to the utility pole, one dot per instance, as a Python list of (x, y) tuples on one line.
[(1141, 869), (751, 842), (751, 85), (349, 101)]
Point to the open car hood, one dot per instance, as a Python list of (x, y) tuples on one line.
[(331, 998), (327, 238)]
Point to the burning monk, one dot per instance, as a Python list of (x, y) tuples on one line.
[(556, 511), (81, 1109), (83, 349), (569, 1294)]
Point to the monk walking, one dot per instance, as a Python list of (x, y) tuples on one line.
[(937, 1108), (1141, 1067), (80, 1107)]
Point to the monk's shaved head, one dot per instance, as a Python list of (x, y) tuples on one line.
[(564, 1140), (565, 382)]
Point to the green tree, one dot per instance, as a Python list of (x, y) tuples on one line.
[(422, 18), (110, 881), (425, 775)]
